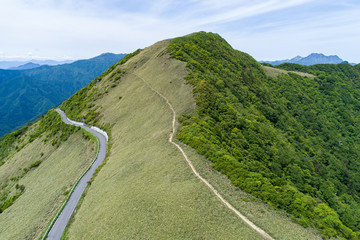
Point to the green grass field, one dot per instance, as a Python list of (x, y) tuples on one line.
[(45, 185), (146, 190), (274, 72)]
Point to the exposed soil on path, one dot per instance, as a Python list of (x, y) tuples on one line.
[(245, 219)]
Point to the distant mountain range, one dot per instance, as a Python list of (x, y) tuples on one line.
[(283, 138), (25, 66), (16, 63), (313, 58), (26, 94)]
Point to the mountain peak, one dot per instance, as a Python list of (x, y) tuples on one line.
[(297, 58), (315, 54), (29, 65), (319, 58), (311, 59)]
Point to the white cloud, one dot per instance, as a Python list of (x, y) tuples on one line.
[(235, 11), (85, 28), (331, 33)]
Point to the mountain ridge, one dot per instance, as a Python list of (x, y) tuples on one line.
[(9, 64), (26, 94), (288, 139), (239, 108), (141, 124), (25, 66), (311, 59), (6, 64)]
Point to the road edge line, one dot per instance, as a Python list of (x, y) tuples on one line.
[(73, 188)]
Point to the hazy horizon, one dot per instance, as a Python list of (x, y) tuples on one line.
[(266, 29)]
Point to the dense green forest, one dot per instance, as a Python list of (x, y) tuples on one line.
[(291, 141), (26, 94)]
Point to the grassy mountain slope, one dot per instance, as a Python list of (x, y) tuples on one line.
[(37, 169), (146, 190), (26, 94)]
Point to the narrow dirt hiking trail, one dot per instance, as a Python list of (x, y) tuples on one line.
[(245, 219)]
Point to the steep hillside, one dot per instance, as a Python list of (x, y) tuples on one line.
[(26, 94), (288, 137), (292, 141), (146, 190), (38, 165)]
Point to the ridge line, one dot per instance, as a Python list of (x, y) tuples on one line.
[(245, 219)]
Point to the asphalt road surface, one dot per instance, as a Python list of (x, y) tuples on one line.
[(61, 222)]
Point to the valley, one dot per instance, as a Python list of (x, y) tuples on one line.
[(204, 143), (27, 94)]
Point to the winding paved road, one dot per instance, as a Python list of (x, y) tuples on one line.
[(59, 226)]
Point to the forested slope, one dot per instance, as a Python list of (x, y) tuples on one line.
[(146, 189), (292, 141), (26, 94), (288, 140)]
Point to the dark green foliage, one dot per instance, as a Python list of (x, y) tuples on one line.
[(7, 143), (291, 141), (35, 164), (266, 64), (122, 61), (80, 106), (26, 170), (53, 130), (26, 94), (7, 202), (128, 56), (50, 123), (56, 130)]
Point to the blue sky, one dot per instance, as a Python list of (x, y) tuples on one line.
[(266, 29)]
